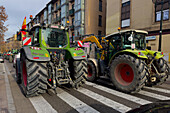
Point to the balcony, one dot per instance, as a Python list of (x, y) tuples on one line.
[(57, 19), (72, 27), (71, 1), (58, 8), (71, 12)]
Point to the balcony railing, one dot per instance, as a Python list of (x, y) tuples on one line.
[(72, 27), (58, 8), (71, 12), (57, 19), (71, 1)]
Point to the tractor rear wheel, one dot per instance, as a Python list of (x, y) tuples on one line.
[(128, 73), (78, 72), (91, 76), (33, 77)]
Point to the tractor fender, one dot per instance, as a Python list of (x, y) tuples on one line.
[(35, 55), (95, 62), (76, 54)]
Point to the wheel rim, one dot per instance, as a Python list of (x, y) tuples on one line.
[(24, 73), (124, 74), (89, 71)]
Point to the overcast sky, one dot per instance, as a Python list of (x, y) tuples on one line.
[(17, 10)]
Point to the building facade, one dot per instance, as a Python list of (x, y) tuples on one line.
[(84, 16), (142, 15)]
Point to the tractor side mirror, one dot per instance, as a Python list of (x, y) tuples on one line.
[(148, 47), (19, 36)]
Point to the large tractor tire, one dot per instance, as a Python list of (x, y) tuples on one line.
[(92, 74), (128, 74), (17, 69), (33, 77), (78, 72), (162, 67), (10, 59)]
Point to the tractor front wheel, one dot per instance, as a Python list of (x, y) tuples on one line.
[(33, 77), (162, 67), (78, 72), (128, 73), (91, 76)]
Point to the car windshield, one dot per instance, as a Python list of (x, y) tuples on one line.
[(54, 37)]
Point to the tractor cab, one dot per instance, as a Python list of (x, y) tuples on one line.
[(128, 39), (49, 37)]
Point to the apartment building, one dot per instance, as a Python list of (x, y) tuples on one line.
[(85, 16), (140, 14)]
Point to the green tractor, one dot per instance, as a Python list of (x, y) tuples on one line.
[(128, 63), (47, 60), (12, 55)]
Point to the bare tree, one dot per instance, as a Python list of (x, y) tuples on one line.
[(3, 28)]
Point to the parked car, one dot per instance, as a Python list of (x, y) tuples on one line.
[(1, 58)]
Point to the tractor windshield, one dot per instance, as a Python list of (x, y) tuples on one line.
[(136, 38), (54, 37), (139, 40)]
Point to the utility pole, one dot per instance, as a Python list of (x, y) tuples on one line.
[(161, 21)]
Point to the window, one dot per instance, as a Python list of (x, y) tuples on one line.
[(45, 14), (78, 18), (49, 19), (56, 5), (72, 21), (99, 33), (100, 5), (63, 22), (165, 11), (79, 31), (35, 36), (63, 11), (73, 6), (49, 9), (77, 5), (125, 14), (63, 1), (100, 20)]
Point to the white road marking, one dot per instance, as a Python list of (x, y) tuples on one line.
[(11, 105), (119, 94), (115, 105), (41, 105), (153, 95), (76, 103), (159, 89)]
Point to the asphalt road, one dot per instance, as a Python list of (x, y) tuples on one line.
[(91, 98)]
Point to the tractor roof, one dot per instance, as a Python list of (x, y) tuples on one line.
[(129, 30)]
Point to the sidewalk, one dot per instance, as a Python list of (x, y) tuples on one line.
[(3, 95)]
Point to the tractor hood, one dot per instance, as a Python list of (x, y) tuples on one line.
[(145, 53)]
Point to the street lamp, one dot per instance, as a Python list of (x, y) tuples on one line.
[(161, 21)]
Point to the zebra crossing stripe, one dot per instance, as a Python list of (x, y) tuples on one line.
[(159, 89), (41, 105), (115, 105), (153, 95), (76, 103), (119, 94)]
